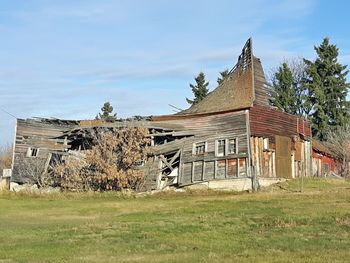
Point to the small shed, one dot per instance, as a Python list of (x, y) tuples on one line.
[(324, 161)]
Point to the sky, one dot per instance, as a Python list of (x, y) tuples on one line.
[(65, 58)]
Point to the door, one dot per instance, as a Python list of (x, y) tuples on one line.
[(283, 157)]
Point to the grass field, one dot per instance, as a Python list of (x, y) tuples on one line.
[(278, 224)]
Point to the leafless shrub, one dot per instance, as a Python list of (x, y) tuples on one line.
[(5, 158), (109, 165), (338, 141), (34, 170)]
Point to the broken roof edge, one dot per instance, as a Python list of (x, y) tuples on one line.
[(323, 149), (84, 122), (49, 121), (235, 92), (193, 115)]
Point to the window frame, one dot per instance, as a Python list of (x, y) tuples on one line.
[(199, 144), (226, 147), (236, 146), (217, 147), (32, 150)]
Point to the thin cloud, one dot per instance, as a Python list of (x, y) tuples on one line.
[(65, 59)]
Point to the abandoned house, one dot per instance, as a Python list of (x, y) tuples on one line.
[(232, 138)]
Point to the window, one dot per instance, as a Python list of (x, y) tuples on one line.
[(266, 144), (242, 167), (232, 146), (32, 152), (221, 146), (224, 147), (220, 169), (199, 148), (232, 168)]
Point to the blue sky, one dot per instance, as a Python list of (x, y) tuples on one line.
[(66, 58)]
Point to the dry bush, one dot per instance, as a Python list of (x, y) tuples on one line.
[(338, 141), (5, 158), (69, 175), (33, 169), (109, 165)]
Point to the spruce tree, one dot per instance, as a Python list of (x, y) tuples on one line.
[(223, 75), (288, 92), (199, 90), (106, 113), (283, 95), (327, 86)]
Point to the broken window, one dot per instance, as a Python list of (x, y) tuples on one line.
[(242, 167), (232, 146), (199, 148), (32, 152), (221, 146), (221, 169), (232, 168)]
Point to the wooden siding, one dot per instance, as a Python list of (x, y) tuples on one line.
[(42, 135), (266, 121), (209, 129)]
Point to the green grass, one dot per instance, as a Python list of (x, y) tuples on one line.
[(278, 224)]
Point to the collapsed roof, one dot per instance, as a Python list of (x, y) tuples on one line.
[(246, 85)]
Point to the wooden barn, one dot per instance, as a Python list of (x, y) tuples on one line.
[(232, 138)]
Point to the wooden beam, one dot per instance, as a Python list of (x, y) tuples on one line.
[(174, 157), (164, 160)]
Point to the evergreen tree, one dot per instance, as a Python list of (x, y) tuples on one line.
[(106, 113), (200, 89), (224, 74), (327, 86), (288, 92), (283, 95)]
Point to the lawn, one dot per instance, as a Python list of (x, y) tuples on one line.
[(278, 224)]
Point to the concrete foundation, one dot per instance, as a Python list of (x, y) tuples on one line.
[(236, 184)]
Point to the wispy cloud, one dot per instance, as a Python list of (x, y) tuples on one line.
[(66, 58)]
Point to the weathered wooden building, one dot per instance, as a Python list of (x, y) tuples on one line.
[(324, 161), (231, 136)]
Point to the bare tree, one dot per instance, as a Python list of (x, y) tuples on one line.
[(34, 170), (338, 141), (5, 158)]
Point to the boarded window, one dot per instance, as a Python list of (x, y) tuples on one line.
[(232, 146), (232, 168), (198, 170), (209, 170), (242, 167), (199, 148), (221, 169), (187, 173), (221, 146)]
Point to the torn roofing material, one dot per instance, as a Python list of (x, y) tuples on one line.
[(246, 85)]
